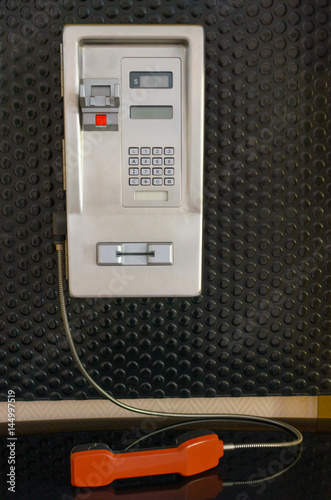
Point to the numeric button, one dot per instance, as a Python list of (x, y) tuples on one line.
[(157, 181), (145, 151), (169, 161), (157, 151), (133, 171), (157, 171), (145, 171), (157, 161), (145, 161), (168, 171), (169, 151)]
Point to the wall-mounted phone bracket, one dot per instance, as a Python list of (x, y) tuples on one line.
[(134, 110), (99, 102)]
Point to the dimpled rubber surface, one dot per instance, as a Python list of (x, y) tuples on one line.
[(262, 324)]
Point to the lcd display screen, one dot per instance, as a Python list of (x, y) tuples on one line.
[(154, 81), (151, 112), (151, 80)]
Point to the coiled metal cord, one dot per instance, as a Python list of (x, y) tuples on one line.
[(199, 416)]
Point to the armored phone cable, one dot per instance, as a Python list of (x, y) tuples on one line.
[(198, 416)]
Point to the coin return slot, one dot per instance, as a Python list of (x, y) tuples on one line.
[(151, 196), (134, 254)]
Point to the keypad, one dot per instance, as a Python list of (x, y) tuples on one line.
[(133, 151), (162, 175)]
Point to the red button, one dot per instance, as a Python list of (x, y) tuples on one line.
[(101, 120)]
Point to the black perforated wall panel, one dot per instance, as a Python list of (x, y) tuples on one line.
[(262, 324)]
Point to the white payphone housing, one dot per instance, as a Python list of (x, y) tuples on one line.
[(133, 101)]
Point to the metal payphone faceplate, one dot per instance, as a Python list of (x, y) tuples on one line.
[(103, 205)]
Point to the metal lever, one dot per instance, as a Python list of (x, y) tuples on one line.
[(134, 254), (99, 96)]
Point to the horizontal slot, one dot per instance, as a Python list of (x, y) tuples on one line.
[(151, 196)]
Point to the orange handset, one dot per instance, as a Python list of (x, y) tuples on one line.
[(96, 465)]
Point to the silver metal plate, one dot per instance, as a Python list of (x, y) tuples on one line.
[(98, 209)]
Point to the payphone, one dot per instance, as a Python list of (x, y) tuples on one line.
[(133, 103)]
